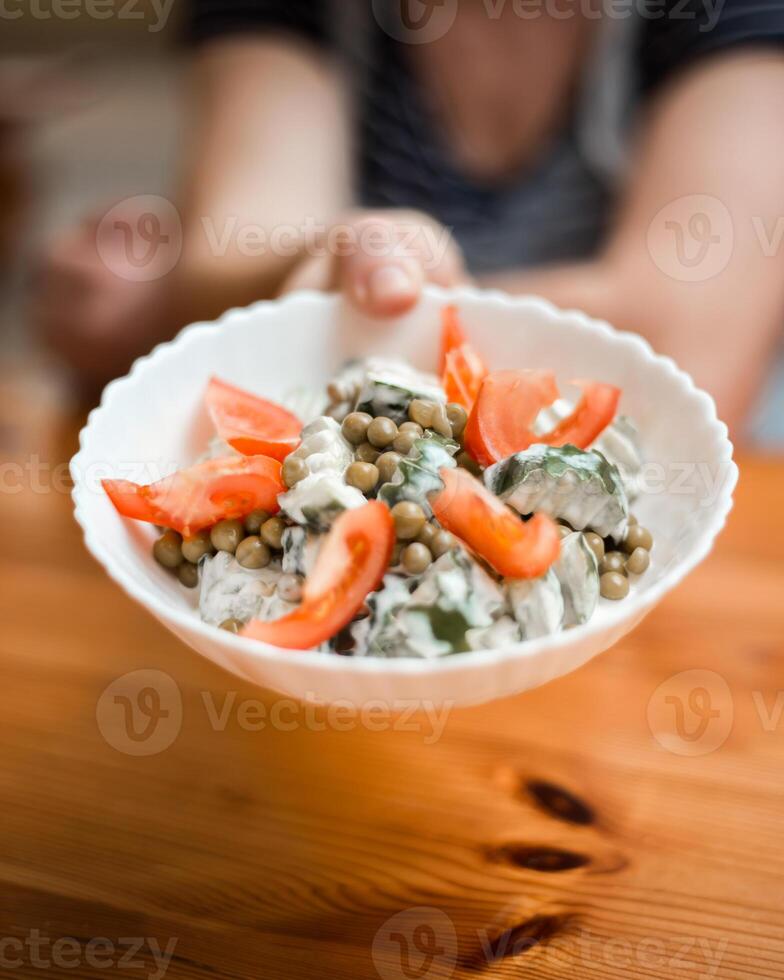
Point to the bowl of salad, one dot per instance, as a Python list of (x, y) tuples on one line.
[(454, 506)]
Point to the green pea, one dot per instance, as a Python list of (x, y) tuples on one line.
[(613, 561), (387, 465), (226, 535), (404, 442), (252, 552), (638, 561), (366, 453), (637, 537), (416, 558), (255, 519), (426, 535), (381, 432), (409, 520), (441, 543), (595, 543), (188, 575), (614, 585), (167, 550), (272, 532), (421, 412), (458, 417), (363, 476), (196, 547), (355, 427), (294, 470)]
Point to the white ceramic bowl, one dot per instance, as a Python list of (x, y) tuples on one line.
[(152, 421)]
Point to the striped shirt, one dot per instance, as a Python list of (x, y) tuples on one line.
[(558, 210)]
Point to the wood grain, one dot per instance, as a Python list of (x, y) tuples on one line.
[(551, 832)]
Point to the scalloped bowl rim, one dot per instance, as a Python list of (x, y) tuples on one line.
[(631, 609)]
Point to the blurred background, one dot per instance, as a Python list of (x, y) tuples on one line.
[(93, 110), (291, 845)]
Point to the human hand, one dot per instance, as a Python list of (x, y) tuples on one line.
[(381, 260), (96, 319)]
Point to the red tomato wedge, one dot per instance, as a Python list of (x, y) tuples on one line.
[(452, 335), (594, 412), (465, 371), (202, 495), (250, 424), (506, 406), (350, 565), (462, 369), (515, 548)]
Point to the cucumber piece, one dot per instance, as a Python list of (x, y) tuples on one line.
[(318, 499), (323, 494), (417, 473), (577, 571), (504, 632), (537, 604), (570, 484), (229, 591), (383, 604), (388, 388), (300, 550), (453, 596), (619, 443)]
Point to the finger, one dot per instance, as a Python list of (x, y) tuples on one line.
[(379, 275), (394, 255)]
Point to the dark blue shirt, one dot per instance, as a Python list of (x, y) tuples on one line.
[(555, 211)]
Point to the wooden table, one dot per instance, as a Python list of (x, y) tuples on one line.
[(562, 833)]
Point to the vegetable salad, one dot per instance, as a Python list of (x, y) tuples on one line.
[(412, 515)]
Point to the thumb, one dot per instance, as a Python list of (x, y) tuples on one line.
[(390, 256), (379, 272)]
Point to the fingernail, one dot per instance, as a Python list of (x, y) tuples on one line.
[(389, 284)]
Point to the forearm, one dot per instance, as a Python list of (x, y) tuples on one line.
[(267, 160), (710, 147)]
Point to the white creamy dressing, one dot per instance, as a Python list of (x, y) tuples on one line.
[(537, 605), (229, 591), (400, 624), (619, 444), (401, 375), (393, 593), (388, 371), (324, 492), (577, 571), (300, 550), (460, 583), (504, 632), (399, 372)]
